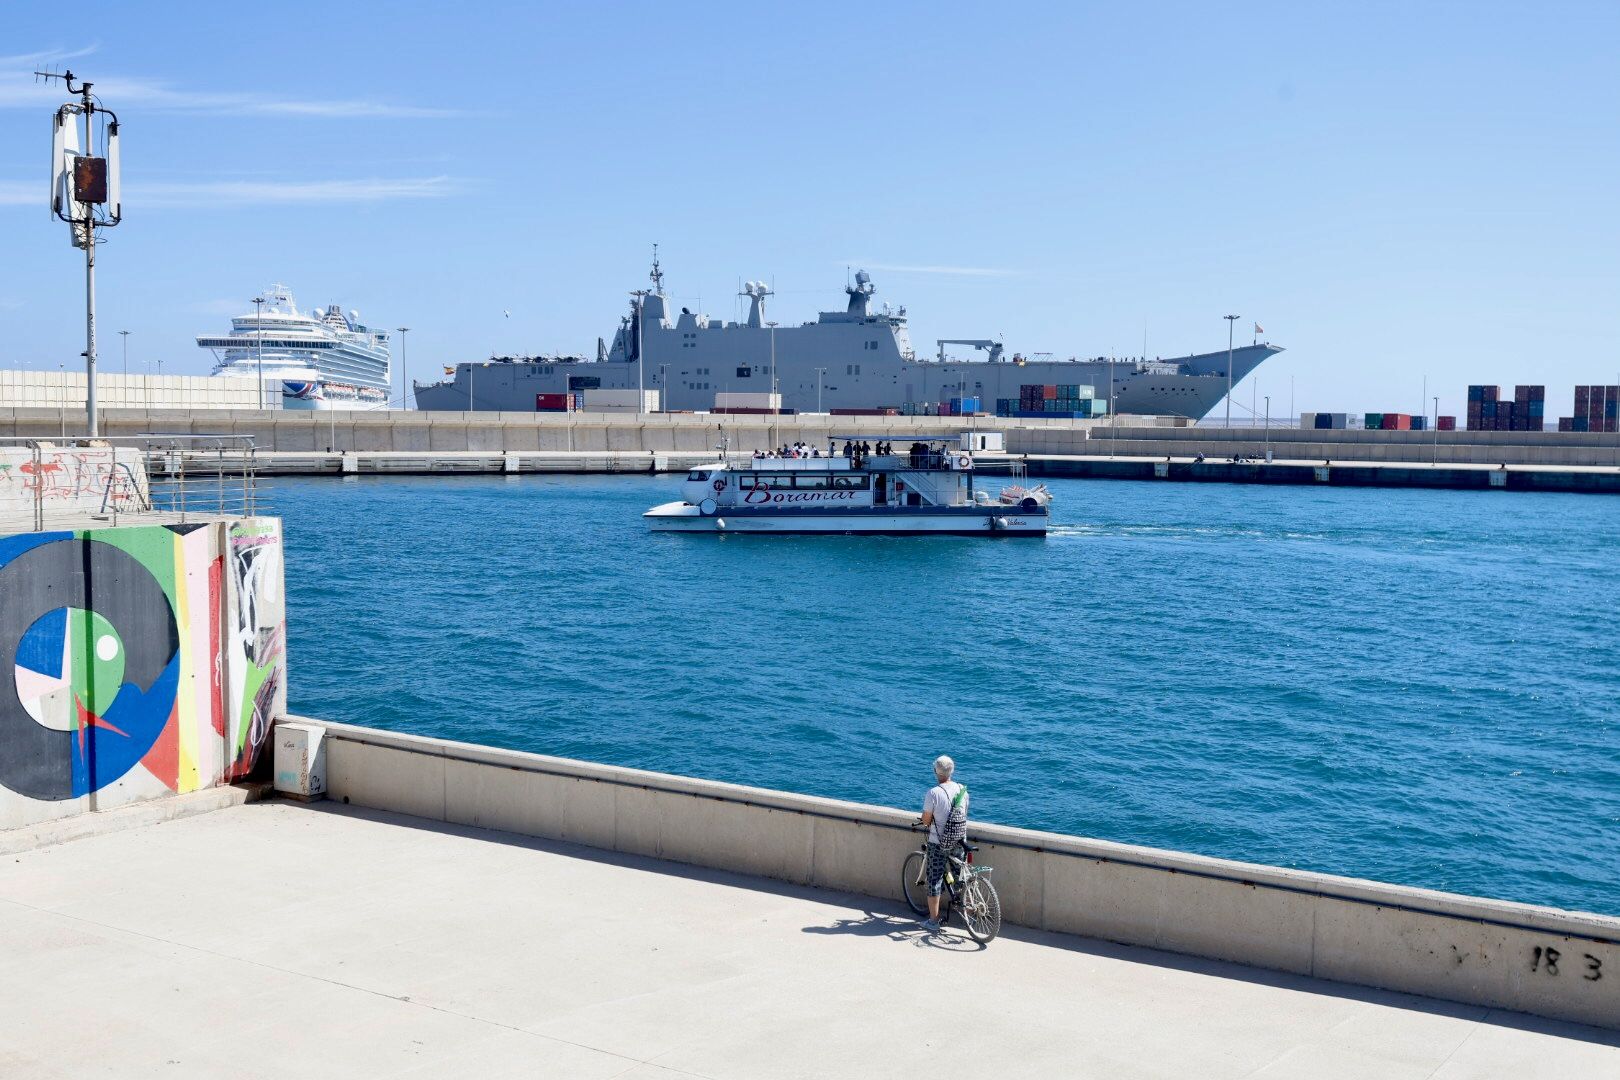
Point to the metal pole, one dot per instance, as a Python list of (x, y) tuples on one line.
[(641, 359), (90, 311), (1230, 320), (125, 396), (776, 403), (820, 374), (404, 386), (663, 388), (258, 343), (1436, 459), (1268, 427)]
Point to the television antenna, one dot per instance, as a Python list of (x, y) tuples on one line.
[(85, 194)]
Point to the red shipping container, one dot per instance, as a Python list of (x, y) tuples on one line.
[(1049, 393), (1447, 423), (551, 403)]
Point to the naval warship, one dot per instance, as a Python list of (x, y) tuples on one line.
[(855, 359)]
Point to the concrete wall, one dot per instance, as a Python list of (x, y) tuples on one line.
[(1537, 960), (59, 390), (68, 479), (136, 662), (1444, 447), (399, 430)]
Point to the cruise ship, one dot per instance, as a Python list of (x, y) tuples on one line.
[(858, 359), (323, 359)]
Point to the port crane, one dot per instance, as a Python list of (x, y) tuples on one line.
[(991, 347)]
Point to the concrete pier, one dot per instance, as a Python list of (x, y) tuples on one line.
[(1465, 949), (1411, 474), (281, 940)]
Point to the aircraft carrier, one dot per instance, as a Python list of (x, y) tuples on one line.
[(855, 359)]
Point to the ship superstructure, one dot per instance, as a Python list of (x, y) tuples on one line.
[(860, 358), (323, 359)]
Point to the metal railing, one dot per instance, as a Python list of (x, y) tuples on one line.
[(62, 483)]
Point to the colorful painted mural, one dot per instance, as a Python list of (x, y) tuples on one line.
[(136, 662)]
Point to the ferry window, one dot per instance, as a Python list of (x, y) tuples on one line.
[(697, 474), (813, 481), (850, 483)]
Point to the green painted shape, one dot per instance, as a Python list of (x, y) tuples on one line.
[(153, 546), (252, 680), (95, 678)]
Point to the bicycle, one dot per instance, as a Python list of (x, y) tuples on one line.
[(967, 886)]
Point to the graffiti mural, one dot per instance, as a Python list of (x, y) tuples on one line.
[(135, 662), (255, 647), (70, 478)]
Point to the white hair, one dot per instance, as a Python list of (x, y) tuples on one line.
[(944, 766)]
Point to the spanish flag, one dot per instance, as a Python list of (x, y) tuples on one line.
[(449, 371)]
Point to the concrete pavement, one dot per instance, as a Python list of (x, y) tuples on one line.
[(277, 939)]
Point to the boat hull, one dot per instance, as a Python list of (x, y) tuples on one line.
[(987, 521)]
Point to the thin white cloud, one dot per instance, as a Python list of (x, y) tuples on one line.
[(238, 192), (44, 57), (204, 194), (20, 89), (961, 271)]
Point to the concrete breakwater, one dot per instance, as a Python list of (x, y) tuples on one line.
[(1094, 467), (1547, 962), (397, 431)]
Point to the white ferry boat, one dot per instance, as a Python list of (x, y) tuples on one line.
[(921, 486), (324, 359)]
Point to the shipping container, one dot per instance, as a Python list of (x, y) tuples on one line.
[(599, 399), (748, 400), (1447, 423)]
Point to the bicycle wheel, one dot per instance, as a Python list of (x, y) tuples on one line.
[(913, 883), (981, 909)]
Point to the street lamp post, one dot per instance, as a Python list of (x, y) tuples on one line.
[(1436, 458), (1231, 320), (820, 373), (663, 388), (125, 335), (776, 402), (404, 386), (1268, 429), (258, 342)]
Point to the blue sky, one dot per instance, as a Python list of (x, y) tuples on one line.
[(1394, 191)]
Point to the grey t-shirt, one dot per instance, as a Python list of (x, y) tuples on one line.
[(938, 800)]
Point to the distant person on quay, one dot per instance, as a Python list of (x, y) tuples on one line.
[(944, 815)]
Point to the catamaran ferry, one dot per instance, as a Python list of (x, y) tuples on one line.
[(921, 486)]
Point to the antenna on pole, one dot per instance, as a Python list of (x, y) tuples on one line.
[(85, 194)]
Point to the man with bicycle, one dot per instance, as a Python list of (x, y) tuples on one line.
[(945, 817)]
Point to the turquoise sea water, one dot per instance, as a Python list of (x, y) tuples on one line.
[(1418, 687)]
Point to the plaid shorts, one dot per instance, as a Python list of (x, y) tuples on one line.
[(936, 869)]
